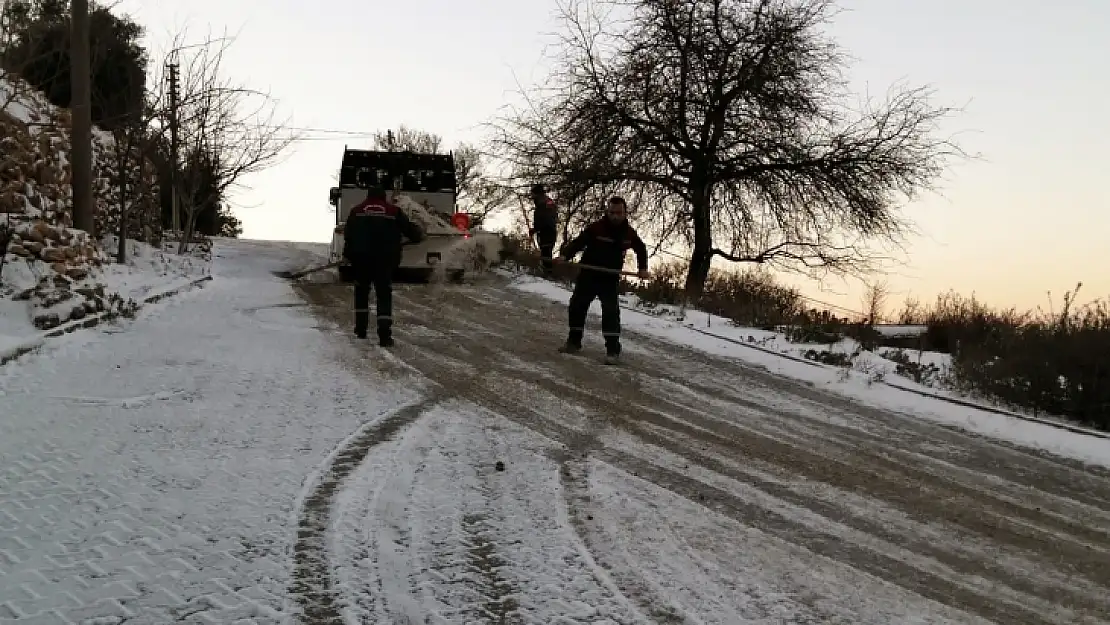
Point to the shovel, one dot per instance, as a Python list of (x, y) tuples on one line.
[(293, 275), (619, 272)]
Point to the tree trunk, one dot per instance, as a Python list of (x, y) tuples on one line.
[(121, 171), (190, 227), (702, 255)]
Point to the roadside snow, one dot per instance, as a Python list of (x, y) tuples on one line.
[(863, 382), (147, 270)]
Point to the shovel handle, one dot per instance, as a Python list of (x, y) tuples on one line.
[(305, 272), (619, 272)]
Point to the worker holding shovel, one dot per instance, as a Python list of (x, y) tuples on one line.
[(603, 245)]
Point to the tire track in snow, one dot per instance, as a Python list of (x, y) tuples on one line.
[(455, 373), (512, 394), (870, 454), (953, 588), (312, 582)]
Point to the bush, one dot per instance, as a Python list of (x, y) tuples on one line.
[(823, 333), (836, 359), (750, 298), (1053, 363), (927, 374)]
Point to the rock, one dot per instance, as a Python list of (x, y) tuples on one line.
[(59, 268), (77, 273), (34, 247), (44, 229), (78, 312), (47, 321), (34, 235), (45, 174), (53, 254), (69, 252), (11, 203), (25, 295), (90, 292), (19, 250)]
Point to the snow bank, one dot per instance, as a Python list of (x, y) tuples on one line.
[(867, 379)]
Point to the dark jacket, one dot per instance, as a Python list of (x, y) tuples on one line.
[(604, 244), (545, 216), (375, 230)]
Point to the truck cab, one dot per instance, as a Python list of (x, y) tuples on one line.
[(427, 179)]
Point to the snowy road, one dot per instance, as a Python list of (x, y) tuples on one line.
[(233, 456), (678, 489), (150, 472)]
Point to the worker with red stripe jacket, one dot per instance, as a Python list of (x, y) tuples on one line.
[(603, 244), (372, 241)]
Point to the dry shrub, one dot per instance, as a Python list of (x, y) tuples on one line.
[(1049, 362), (752, 298)]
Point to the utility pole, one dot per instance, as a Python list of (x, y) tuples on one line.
[(174, 77), (81, 110)]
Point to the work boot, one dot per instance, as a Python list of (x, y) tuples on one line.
[(360, 333), (613, 359), (385, 341), (570, 348)]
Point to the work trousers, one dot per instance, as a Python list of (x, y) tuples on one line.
[(546, 241), (590, 286), (379, 275)]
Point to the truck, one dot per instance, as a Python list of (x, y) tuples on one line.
[(426, 179)]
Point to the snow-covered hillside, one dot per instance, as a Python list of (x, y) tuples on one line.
[(51, 273)]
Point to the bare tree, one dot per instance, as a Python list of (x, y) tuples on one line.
[(405, 139), (479, 192), (724, 120), (912, 313), (227, 131), (874, 301), (134, 145)]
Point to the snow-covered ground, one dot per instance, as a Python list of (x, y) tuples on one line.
[(148, 270), (871, 378), (150, 469), (232, 455)]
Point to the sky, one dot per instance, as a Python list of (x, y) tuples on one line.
[(1028, 217)]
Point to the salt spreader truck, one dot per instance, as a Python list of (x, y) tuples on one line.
[(428, 180)]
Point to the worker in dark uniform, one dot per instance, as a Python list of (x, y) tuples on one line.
[(603, 244), (545, 226), (372, 241)]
